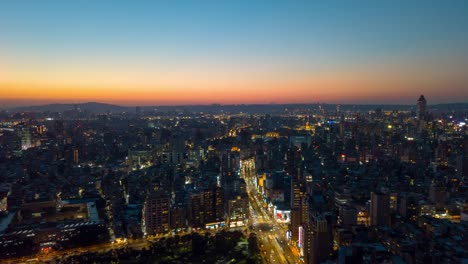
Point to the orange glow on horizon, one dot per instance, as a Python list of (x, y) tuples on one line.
[(298, 93), (225, 86)]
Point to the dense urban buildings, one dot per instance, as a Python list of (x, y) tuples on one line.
[(309, 132), (309, 183), (156, 213)]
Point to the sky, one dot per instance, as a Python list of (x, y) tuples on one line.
[(202, 52)]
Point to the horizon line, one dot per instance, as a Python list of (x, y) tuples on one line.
[(221, 104)]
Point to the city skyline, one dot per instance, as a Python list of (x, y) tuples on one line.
[(148, 53), (256, 132)]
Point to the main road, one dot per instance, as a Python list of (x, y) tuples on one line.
[(271, 234), (46, 257)]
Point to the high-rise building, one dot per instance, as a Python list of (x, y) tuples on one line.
[(177, 149), (297, 196), (156, 213), (196, 210), (206, 206), (25, 136), (379, 209), (421, 108), (238, 211), (292, 166), (316, 240), (305, 208), (230, 166), (178, 217), (292, 160), (218, 204)]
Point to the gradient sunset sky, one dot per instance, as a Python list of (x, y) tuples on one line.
[(202, 52)]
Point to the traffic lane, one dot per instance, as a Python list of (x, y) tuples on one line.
[(265, 228), (274, 250), (283, 253)]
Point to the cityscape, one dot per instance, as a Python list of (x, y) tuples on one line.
[(288, 184), (233, 132)]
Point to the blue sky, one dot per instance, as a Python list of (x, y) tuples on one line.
[(294, 39)]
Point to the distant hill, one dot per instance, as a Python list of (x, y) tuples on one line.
[(90, 107), (100, 108)]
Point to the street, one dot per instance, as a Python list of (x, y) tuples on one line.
[(271, 235)]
